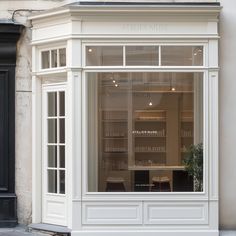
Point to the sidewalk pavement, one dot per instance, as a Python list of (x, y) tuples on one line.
[(21, 231)]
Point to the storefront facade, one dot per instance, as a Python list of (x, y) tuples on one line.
[(120, 94)]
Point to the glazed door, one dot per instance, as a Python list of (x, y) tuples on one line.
[(54, 210)]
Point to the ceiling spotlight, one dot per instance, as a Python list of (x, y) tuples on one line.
[(90, 49), (116, 85), (173, 89), (114, 81), (150, 104)]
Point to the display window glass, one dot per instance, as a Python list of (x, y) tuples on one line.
[(146, 130), (144, 55)]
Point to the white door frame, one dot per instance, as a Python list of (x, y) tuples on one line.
[(54, 205)]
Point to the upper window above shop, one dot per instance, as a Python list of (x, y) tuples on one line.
[(53, 58), (148, 55)]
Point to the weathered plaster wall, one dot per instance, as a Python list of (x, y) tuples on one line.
[(23, 128)]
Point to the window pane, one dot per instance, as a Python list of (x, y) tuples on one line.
[(52, 131), (62, 181), (62, 130), (52, 156), (181, 56), (104, 56), (142, 55), (45, 60), (62, 103), (54, 58), (52, 181), (52, 104), (62, 156), (62, 56), (144, 131)]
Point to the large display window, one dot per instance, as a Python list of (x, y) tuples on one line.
[(144, 127)]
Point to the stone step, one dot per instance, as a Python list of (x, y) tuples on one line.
[(50, 229)]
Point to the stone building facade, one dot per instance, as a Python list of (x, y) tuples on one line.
[(19, 11)]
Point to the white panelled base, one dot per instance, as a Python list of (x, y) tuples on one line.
[(54, 210), (146, 233), (146, 218)]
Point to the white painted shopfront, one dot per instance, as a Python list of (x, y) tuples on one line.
[(120, 93)]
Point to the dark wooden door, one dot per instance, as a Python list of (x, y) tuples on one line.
[(9, 35)]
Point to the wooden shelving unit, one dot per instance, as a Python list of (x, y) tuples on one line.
[(149, 137), (186, 132)]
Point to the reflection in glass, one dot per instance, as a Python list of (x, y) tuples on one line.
[(52, 156), (62, 182), (54, 58), (62, 56), (62, 130), (62, 156), (104, 56), (181, 56), (142, 129), (52, 104), (52, 131), (45, 60), (142, 55), (62, 103), (52, 181)]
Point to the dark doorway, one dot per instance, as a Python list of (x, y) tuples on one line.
[(9, 35)]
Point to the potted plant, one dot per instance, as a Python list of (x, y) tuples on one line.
[(193, 162)]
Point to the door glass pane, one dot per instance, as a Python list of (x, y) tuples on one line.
[(62, 56), (62, 156), (52, 156), (62, 130), (52, 104), (45, 60), (181, 56), (62, 103), (142, 55), (52, 181), (54, 58), (52, 131), (62, 181), (104, 56), (144, 129)]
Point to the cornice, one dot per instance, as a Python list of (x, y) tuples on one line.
[(177, 9), (9, 35)]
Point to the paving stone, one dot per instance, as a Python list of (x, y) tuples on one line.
[(19, 231)]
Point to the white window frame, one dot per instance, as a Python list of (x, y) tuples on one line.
[(46, 196), (49, 49), (124, 66), (155, 196)]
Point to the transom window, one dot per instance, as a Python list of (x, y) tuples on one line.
[(53, 58), (144, 55)]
